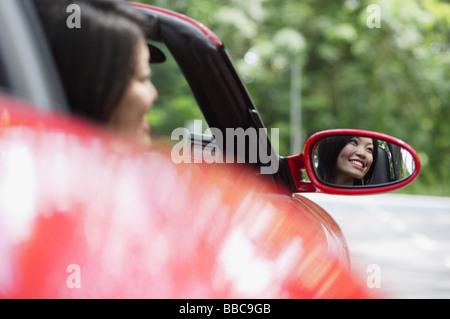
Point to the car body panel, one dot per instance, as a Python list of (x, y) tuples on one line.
[(337, 244), (80, 220)]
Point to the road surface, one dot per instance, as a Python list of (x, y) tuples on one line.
[(399, 244)]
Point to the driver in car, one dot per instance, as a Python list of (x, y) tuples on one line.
[(104, 64)]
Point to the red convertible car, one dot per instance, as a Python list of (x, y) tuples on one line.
[(78, 220)]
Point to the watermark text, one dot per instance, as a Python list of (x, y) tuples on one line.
[(250, 145), (374, 277), (374, 18), (74, 279), (73, 21)]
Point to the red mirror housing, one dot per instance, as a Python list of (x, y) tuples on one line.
[(305, 161)]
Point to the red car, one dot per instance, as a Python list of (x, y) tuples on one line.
[(78, 220)]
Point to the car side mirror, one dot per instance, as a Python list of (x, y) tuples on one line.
[(347, 161)]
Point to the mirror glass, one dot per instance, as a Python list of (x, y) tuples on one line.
[(360, 161)]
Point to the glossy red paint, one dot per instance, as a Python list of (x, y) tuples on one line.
[(297, 167), (19, 113), (94, 223), (209, 34)]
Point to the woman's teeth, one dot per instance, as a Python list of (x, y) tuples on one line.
[(357, 163)]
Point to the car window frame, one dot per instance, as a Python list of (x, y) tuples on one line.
[(28, 67)]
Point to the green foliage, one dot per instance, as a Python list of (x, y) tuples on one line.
[(391, 78)]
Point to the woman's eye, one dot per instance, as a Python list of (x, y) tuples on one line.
[(370, 150), (354, 142)]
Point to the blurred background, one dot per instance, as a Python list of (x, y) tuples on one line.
[(312, 65)]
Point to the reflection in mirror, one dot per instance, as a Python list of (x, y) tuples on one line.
[(361, 161)]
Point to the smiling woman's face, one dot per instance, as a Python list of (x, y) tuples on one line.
[(354, 160), (129, 117)]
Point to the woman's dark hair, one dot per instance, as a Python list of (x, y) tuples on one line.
[(97, 60), (328, 152)]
